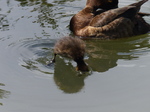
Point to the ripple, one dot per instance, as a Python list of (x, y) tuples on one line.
[(33, 54)]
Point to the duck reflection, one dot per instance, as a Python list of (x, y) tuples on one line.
[(103, 55), (66, 77), (3, 93)]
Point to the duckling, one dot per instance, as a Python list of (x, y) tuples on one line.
[(114, 23), (72, 48)]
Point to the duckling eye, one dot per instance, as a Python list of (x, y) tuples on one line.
[(110, 1)]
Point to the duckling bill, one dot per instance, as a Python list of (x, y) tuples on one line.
[(73, 48)]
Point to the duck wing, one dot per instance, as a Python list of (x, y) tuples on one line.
[(120, 27), (106, 17)]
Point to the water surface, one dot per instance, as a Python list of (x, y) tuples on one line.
[(119, 77)]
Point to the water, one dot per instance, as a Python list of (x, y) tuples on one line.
[(118, 82)]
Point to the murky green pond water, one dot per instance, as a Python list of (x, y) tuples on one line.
[(120, 77)]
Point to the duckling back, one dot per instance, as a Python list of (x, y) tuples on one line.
[(70, 47)]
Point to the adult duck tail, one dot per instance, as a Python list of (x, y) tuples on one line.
[(138, 4)]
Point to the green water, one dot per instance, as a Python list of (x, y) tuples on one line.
[(119, 76)]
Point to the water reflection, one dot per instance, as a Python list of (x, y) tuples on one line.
[(4, 24), (45, 12), (46, 2), (51, 14), (3, 93), (30, 2), (104, 55), (48, 12), (67, 78), (38, 52), (33, 55)]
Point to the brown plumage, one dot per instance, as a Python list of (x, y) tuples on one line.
[(83, 17), (72, 48), (114, 23), (103, 4)]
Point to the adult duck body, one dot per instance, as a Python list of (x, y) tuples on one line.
[(110, 22)]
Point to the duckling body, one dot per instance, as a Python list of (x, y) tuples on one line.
[(72, 48), (114, 23)]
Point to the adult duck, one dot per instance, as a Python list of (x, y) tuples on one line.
[(114, 23)]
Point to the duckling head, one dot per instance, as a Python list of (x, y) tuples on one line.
[(103, 4), (81, 65)]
